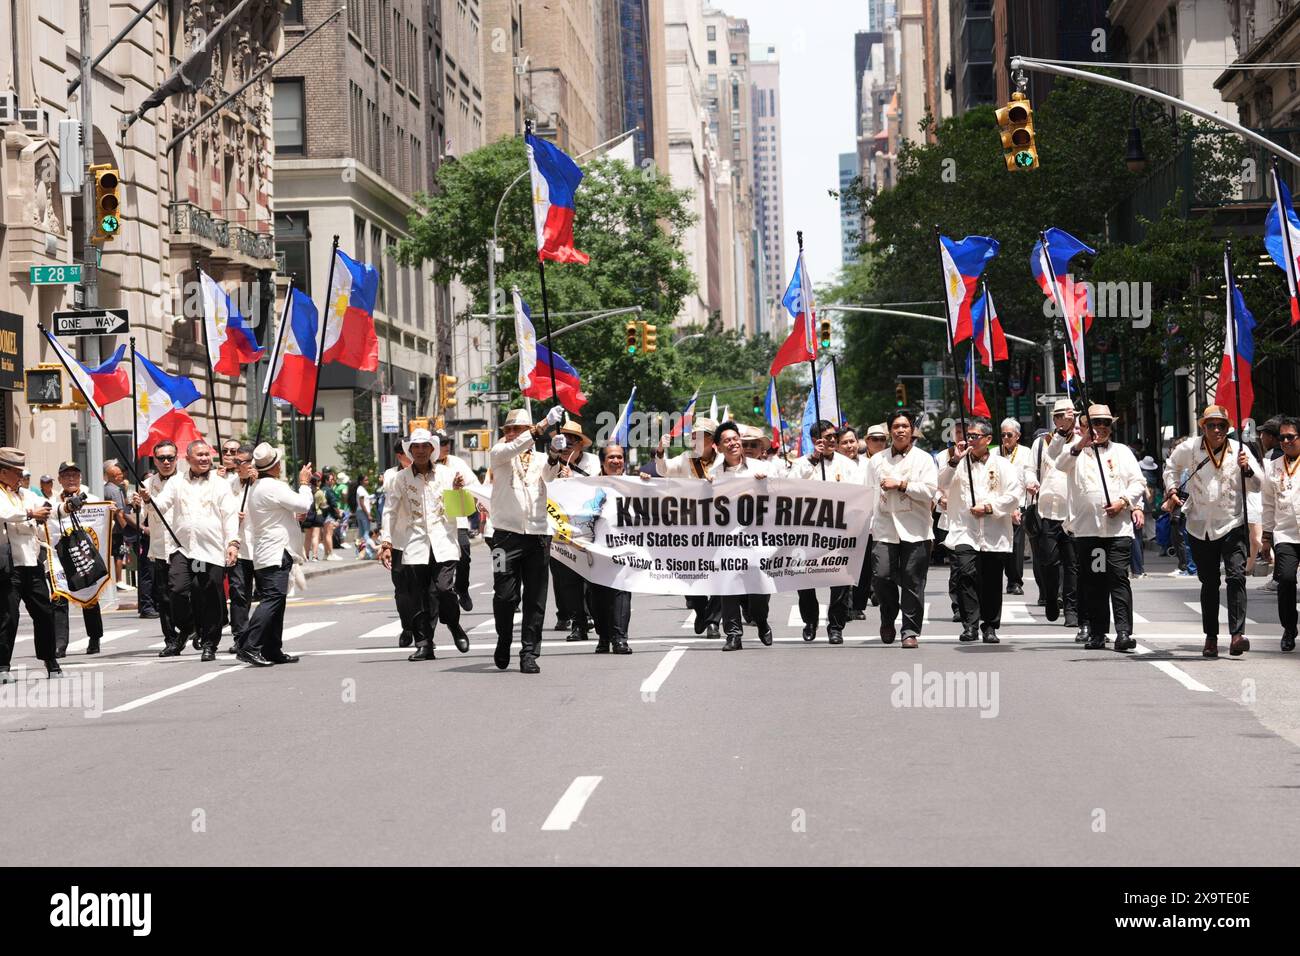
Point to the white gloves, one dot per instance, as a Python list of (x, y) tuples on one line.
[(555, 415), (559, 443)]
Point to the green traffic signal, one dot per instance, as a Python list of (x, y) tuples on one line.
[(108, 224), (1025, 159)]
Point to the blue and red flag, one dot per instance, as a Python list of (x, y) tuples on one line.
[(799, 300), (555, 180), (687, 418), (624, 420), (963, 264), (230, 341), (987, 332), (1238, 354), (102, 385), (350, 320), (568, 383), (772, 411), (1071, 298), (160, 402), (293, 377), (972, 397), (1282, 244)]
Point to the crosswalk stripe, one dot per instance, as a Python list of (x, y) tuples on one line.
[(391, 629), (1223, 612), (78, 646), (302, 630), (490, 626)]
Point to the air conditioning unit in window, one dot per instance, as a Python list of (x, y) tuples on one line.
[(8, 107), (35, 120)]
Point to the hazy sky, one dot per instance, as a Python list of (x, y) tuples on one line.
[(814, 40)]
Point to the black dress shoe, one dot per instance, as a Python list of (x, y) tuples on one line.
[(460, 637), (887, 633), (968, 635), (528, 665), (209, 653), (702, 624), (1288, 642), (194, 642), (423, 652), (714, 633), (733, 644), (1125, 642), (92, 646), (466, 602), (991, 636), (765, 634), (563, 624), (1095, 642), (810, 632), (501, 656), (52, 668), (171, 650), (1211, 648), (253, 657), (406, 640), (1015, 589), (1053, 609), (858, 615), (620, 647), (283, 658), (577, 634), (1082, 636), (602, 646), (835, 637)]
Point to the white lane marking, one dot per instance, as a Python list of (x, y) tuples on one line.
[(167, 692), (1017, 612), (78, 646), (301, 630), (490, 625), (566, 811), (651, 684), (1177, 673), (1223, 612), (391, 629), (350, 598)]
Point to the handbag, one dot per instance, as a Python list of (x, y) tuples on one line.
[(83, 566)]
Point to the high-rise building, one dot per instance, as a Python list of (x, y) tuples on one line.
[(769, 217), (503, 63), (850, 211), (1078, 31), (972, 52), (641, 32), (207, 202), (559, 79), (359, 130)]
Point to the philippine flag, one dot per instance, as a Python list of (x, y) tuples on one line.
[(230, 341), (555, 180), (971, 394), (102, 385), (567, 381), (800, 302), (350, 323), (1071, 299), (293, 378), (987, 332), (1282, 244), (772, 410), (526, 339), (963, 264), (160, 400), (687, 418), (1238, 355), (625, 421)]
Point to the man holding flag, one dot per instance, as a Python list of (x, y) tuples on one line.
[(825, 465)]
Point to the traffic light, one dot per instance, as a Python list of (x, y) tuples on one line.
[(446, 391), (649, 338), (758, 404), (1016, 125), (824, 335), (108, 186), (633, 337), (900, 395)]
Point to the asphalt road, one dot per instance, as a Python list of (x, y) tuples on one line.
[(679, 754)]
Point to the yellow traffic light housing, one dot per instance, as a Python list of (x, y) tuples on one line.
[(824, 335), (900, 395), (649, 337), (447, 391), (1016, 127), (108, 202), (633, 336)]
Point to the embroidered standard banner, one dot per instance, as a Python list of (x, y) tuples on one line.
[(735, 536), (97, 518)]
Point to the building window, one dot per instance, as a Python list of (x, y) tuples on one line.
[(735, 59), (713, 58), (712, 81), (711, 33), (287, 118), (293, 239), (293, 12)]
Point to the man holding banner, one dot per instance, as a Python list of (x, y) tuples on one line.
[(734, 465), (573, 461), (72, 497), (825, 465), (611, 606), (21, 575)]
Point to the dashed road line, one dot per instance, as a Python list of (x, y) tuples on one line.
[(569, 807), (169, 691), (1176, 672), (651, 684)]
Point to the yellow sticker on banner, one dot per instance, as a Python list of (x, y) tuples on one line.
[(458, 503)]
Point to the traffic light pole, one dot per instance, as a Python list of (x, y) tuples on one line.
[(90, 259)]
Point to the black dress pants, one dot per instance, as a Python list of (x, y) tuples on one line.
[(162, 600), (1015, 561), (900, 573), (30, 586), (1286, 557), (1104, 583), (707, 609), (862, 591), (520, 570), (431, 589), (462, 566), (264, 632), (730, 607), (612, 610), (1230, 552), (1056, 549), (570, 595), (90, 614), (979, 585), (197, 598), (241, 576), (837, 615), (402, 598), (144, 576)]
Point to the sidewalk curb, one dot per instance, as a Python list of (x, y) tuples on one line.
[(336, 569)]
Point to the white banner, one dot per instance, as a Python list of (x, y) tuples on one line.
[(97, 518), (735, 536)]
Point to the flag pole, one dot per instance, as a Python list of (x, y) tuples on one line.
[(810, 333), (952, 362), (320, 350), (780, 431), (266, 400), (212, 386), (135, 421), (90, 403), (1236, 374), (1080, 374)]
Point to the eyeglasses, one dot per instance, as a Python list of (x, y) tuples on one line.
[(164, 457), (1287, 437), (1010, 434), (1216, 426), (875, 438), (975, 435)]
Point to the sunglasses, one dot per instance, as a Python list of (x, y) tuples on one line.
[(164, 457), (1010, 434), (1216, 426), (1287, 437)]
